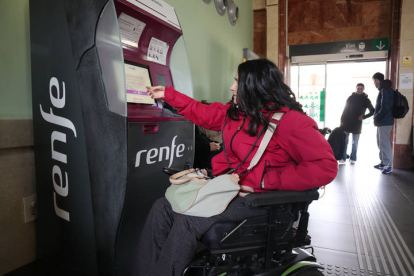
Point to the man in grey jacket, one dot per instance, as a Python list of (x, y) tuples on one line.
[(384, 120)]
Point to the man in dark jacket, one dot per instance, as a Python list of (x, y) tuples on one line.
[(384, 120), (351, 119)]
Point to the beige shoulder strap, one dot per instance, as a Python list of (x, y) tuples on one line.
[(174, 178), (184, 177), (266, 139)]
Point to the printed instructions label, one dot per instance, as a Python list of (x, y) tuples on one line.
[(131, 29), (406, 81), (157, 51)]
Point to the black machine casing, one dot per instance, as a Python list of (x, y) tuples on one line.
[(92, 198)]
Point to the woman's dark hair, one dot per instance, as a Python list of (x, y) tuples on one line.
[(260, 86), (360, 84), (378, 76)]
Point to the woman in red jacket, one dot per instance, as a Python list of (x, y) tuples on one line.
[(297, 158)]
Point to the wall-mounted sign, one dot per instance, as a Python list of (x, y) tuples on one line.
[(340, 47), (407, 60), (406, 81)]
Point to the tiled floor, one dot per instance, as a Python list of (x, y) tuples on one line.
[(364, 223)]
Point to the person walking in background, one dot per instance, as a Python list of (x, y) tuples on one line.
[(384, 120), (351, 119)]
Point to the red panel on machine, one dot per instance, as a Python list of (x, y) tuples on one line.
[(158, 29)]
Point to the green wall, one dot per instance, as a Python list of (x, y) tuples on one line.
[(214, 47), (15, 78), (214, 50)]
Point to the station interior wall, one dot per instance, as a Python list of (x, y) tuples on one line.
[(17, 180), (403, 145)]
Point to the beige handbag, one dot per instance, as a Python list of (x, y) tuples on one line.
[(195, 194)]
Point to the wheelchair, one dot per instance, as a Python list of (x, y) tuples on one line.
[(275, 244)]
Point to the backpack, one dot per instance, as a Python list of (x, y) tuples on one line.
[(337, 141), (400, 107)]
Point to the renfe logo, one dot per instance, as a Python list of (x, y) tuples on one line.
[(61, 186), (167, 152)]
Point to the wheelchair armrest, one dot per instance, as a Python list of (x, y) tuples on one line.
[(280, 197)]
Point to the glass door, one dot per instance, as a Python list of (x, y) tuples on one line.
[(341, 83), (337, 80), (342, 79), (308, 82), (323, 89)]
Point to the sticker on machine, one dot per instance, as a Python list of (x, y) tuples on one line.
[(130, 29), (157, 51)]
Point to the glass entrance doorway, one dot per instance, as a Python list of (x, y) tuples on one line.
[(324, 88)]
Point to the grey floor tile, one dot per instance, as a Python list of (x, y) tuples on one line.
[(409, 240), (411, 198), (330, 213), (404, 179), (402, 216), (330, 235), (393, 197), (332, 197)]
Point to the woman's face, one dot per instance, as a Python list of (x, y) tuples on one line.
[(234, 87)]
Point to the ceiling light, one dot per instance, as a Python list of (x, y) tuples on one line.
[(221, 6), (233, 12)]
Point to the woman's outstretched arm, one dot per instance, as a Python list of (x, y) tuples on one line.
[(208, 116)]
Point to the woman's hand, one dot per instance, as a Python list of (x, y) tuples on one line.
[(214, 146), (156, 92)]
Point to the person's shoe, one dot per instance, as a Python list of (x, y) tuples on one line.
[(341, 162), (352, 162), (380, 166), (387, 169)]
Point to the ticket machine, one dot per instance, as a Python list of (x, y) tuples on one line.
[(100, 140)]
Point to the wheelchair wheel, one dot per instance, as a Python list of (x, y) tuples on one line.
[(311, 272)]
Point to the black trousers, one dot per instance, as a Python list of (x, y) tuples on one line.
[(169, 240)]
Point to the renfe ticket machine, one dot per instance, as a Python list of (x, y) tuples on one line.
[(100, 140)]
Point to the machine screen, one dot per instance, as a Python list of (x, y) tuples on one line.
[(161, 80), (137, 77)]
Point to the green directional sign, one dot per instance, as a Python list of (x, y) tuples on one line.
[(344, 47), (380, 44)]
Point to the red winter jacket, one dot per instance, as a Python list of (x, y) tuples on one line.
[(298, 157)]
